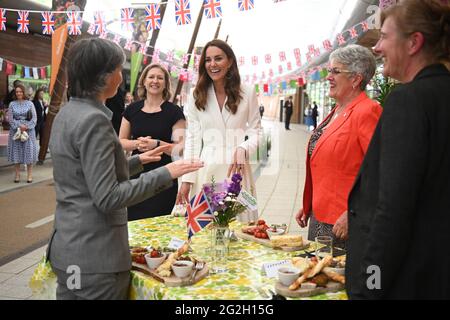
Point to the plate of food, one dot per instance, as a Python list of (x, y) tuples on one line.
[(274, 237), (174, 269), (309, 277)]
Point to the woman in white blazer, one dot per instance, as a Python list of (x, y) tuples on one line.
[(223, 123)]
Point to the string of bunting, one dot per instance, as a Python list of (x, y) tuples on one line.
[(12, 68)]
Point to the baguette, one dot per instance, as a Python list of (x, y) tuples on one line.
[(313, 270), (334, 276)]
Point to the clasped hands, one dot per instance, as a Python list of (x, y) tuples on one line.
[(145, 144)]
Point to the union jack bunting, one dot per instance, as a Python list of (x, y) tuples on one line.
[(103, 35), (155, 57), (311, 49), (128, 45), (198, 214), (74, 22), (280, 69), (327, 45), (245, 5), (185, 59), (213, 9), (143, 48), (91, 29), (298, 62), (127, 18), (289, 66), (282, 56), (268, 58), (263, 76), (308, 57), (365, 26), (170, 56), (183, 12), (340, 39), (297, 53), (2, 19), (317, 52), (255, 60), (153, 16), (353, 33), (270, 73), (48, 22), (23, 22), (99, 23), (241, 61), (117, 39)]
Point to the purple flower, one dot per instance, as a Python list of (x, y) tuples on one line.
[(237, 178)]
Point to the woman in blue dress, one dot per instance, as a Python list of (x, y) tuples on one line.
[(22, 115)]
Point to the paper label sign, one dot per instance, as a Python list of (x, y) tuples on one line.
[(248, 200), (176, 243), (271, 268)]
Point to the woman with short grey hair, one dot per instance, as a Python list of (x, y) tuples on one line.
[(89, 249), (338, 145)]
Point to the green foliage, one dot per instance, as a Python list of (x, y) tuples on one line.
[(384, 86)]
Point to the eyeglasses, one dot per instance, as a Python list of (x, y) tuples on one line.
[(335, 71)]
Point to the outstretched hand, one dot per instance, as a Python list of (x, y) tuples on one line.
[(181, 167), (153, 155)]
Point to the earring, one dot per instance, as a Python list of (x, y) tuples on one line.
[(229, 76)]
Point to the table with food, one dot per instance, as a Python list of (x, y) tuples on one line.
[(186, 272)]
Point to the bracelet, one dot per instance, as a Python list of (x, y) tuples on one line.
[(158, 143)]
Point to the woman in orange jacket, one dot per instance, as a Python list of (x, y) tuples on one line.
[(337, 147)]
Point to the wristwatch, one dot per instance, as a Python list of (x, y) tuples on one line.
[(158, 143)]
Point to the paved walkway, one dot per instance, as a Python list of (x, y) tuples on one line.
[(279, 189)]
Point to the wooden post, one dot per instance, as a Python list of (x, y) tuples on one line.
[(57, 96), (191, 48), (218, 29)]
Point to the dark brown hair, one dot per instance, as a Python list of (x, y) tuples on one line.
[(36, 95), (232, 79), (429, 17), (142, 91)]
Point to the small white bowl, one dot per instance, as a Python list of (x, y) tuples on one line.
[(287, 275), (154, 263), (272, 233), (182, 269)]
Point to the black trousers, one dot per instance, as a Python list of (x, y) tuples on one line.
[(287, 122)]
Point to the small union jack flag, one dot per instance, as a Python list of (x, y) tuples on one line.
[(263, 76), (198, 214), (317, 52), (170, 56), (297, 53), (365, 26), (103, 35), (255, 60), (143, 48), (153, 16), (91, 29), (74, 23), (298, 62), (327, 45), (213, 9), (183, 12), (280, 69), (48, 22), (128, 45), (23, 22), (155, 57), (127, 18), (185, 59), (311, 49), (268, 58), (241, 61), (289, 66), (2, 19), (270, 73), (282, 56), (340, 39), (99, 23), (353, 33), (245, 5), (117, 39), (308, 57)]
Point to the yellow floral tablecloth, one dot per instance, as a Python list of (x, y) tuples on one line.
[(241, 281)]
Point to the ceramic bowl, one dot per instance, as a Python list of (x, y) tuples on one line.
[(182, 269), (272, 233), (287, 275), (154, 263)]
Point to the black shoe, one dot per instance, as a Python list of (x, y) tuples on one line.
[(40, 163)]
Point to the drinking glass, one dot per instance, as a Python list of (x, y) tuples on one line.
[(324, 246)]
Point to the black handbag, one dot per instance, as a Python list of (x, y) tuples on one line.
[(29, 115)]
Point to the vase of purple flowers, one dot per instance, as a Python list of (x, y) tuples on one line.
[(223, 200)]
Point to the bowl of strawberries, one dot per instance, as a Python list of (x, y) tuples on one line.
[(155, 258)]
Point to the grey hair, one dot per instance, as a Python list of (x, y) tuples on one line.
[(357, 59), (90, 61)]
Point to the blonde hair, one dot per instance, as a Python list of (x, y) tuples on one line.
[(142, 91)]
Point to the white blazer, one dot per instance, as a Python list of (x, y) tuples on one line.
[(213, 136)]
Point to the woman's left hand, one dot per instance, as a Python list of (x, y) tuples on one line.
[(146, 144), (23, 128), (239, 160), (340, 229)]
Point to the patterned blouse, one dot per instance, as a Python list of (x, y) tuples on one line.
[(318, 133)]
